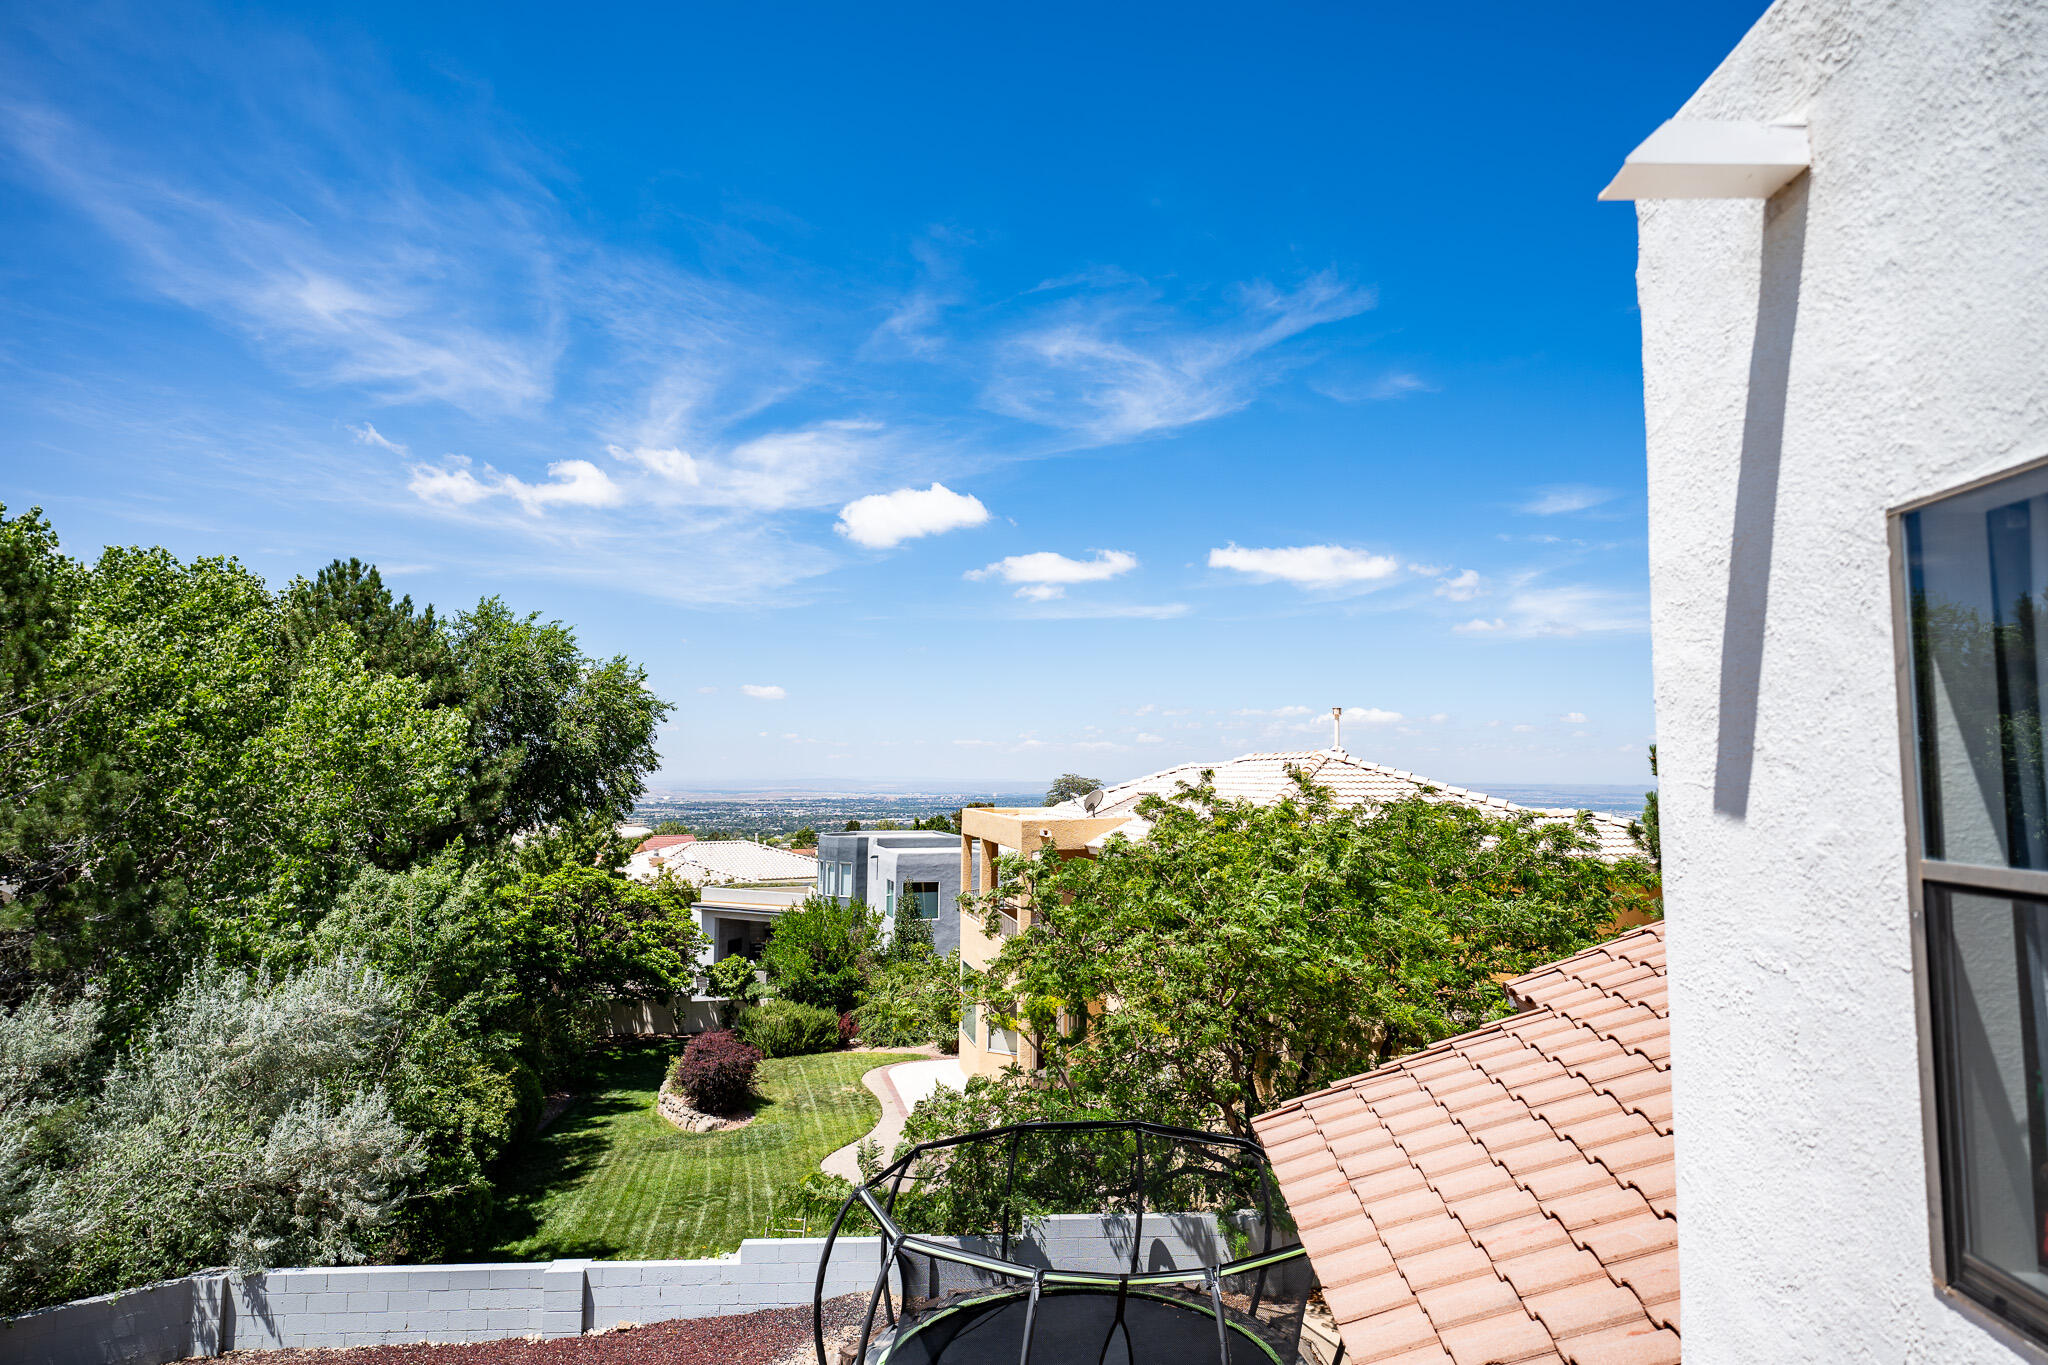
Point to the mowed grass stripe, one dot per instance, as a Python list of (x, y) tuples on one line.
[(612, 1178)]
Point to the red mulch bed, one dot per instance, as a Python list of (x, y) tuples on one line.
[(773, 1336)]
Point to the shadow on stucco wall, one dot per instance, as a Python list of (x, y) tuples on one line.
[(1780, 265)]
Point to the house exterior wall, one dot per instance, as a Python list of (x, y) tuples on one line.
[(930, 863), (987, 834), (1874, 334), (880, 856)]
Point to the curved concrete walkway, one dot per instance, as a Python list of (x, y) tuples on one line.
[(899, 1088)]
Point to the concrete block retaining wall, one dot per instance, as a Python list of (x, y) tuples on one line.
[(212, 1312)]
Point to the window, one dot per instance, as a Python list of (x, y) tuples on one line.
[(889, 900), (1003, 1040), (970, 1020), (1975, 587), (924, 896), (846, 879)]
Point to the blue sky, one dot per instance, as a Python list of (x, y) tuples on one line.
[(919, 391)]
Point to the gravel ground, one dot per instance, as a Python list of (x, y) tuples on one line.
[(774, 1336)]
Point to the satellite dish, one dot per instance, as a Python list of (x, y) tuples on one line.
[(1092, 800)]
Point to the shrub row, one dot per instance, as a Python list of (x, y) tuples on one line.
[(784, 1028)]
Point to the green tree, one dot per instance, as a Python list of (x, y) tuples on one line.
[(393, 637), (821, 952), (671, 827), (1068, 786), (1255, 952), (804, 838), (734, 983), (586, 933), (171, 771), (1645, 830), (554, 734)]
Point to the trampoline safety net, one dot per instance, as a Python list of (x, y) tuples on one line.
[(1077, 1243)]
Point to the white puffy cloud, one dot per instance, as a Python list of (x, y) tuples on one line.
[(882, 520), (1370, 715), (764, 691), (706, 690), (1461, 588), (1573, 718), (1308, 566), (1142, 738), (1523, 729), (1479, 625), (1045, 575)]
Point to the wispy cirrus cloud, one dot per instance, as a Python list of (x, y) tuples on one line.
[(1117, 366), (1462, 587), (627, 413), (1558, 499), (1567, 611)]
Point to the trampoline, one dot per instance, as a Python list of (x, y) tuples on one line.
[(1075, 1243)]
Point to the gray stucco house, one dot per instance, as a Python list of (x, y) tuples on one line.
[(887, 867)]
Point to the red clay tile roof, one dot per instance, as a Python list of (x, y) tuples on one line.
[(1506, 1196), (661, 841)]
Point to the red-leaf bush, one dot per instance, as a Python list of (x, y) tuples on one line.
[(848, 1030), (717, 1072)]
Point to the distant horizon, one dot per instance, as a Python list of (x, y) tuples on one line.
[(914, 787)]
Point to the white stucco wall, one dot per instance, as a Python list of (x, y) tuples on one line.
[(1899, 293)]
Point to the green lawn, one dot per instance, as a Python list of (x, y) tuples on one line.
[(612, 1178)]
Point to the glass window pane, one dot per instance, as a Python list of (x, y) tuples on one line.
[(1977, 580), (1993, 1013)]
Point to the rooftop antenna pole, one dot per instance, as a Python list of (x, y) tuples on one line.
[(1336, 727)]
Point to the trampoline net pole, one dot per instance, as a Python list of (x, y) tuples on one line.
[(1138, 1223), (824, 1262), (1031, 1314), (1216, 1303), (1009, 1194)]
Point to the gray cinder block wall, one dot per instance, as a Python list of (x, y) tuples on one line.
[(214, 1312)]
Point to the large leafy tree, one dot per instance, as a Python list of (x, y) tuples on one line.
[(170, 768), (553, 734), (556, 735), (393, 637), (1066, 787), (821, 952), (1254, 952)]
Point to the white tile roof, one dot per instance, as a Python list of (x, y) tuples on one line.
[(1264, 778), (719, 862)]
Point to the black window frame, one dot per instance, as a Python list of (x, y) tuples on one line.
[(1979, 1288)]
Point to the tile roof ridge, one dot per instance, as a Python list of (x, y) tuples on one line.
[(1654, 929)]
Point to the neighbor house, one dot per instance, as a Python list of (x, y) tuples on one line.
[(913, 870), (721, 862), (1080, 827), (1844, 292)]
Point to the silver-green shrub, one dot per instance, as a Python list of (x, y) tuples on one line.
[(248, 1126)]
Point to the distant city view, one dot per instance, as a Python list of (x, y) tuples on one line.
[(777, 812)]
